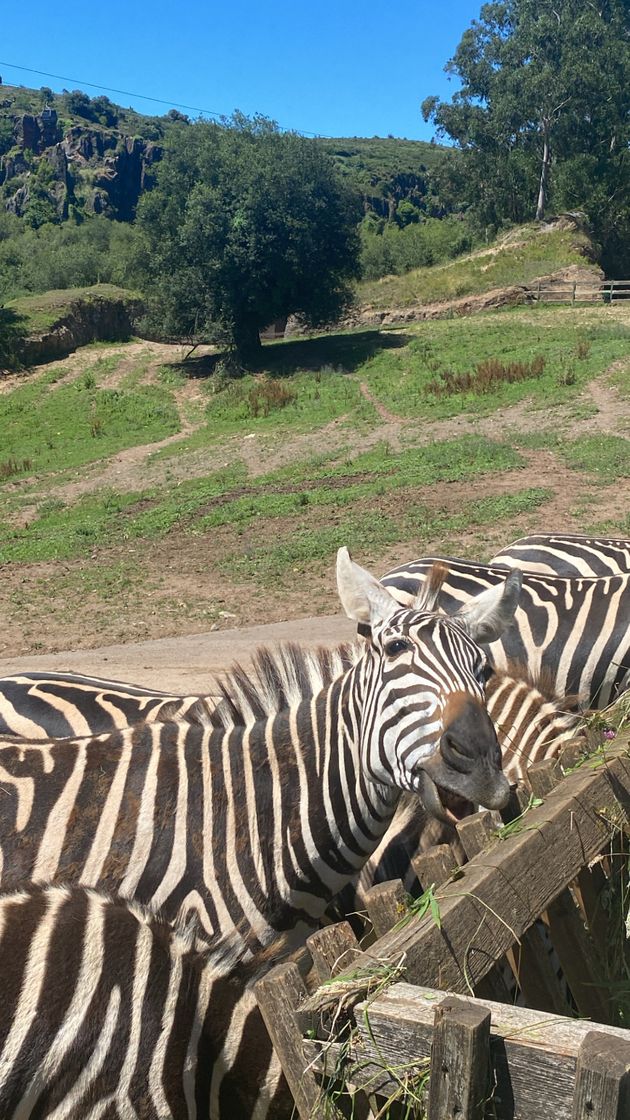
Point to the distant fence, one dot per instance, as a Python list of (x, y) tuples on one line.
[(580, 292)]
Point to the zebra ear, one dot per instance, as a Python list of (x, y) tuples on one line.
[(487, 615), (362, 596)]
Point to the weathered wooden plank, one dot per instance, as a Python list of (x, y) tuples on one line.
[(279, 994), (504, 889), (434, 866), (460, 1064), (333, 949), (578, 957), (530, 963), (386, 904), (602, 1079), (533, 1054)]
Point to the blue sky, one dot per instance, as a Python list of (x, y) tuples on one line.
[(331, 68)]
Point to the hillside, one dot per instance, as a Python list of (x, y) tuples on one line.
[(145, 497), (503, 270), (67, 154)]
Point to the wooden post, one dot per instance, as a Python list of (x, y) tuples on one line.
[(460, 1061), (602, 1079), (544, 776), (517, 804), (434, 866), (386, 904), (476, 831), (332, 949), (279, 994), (574, 287)]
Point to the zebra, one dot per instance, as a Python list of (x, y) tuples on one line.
[(256, 826), (37, 705), (110, 1010), (575, 631), (532, 724), (567, 554)]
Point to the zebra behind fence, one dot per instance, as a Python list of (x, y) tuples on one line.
[(255, 827), (532, 724), (576, 632), (567, 554), (109, 1011)]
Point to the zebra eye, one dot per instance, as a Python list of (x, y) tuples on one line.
[(397, 645), (484, 672)]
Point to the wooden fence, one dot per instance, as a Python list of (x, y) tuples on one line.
[(558, 291), (559, 861)]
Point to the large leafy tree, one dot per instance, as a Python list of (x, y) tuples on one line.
[(245, 225), (543, 112)]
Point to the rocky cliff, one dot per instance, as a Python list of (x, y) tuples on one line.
[(51, 163)]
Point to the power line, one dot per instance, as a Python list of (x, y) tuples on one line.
[(128, 93)]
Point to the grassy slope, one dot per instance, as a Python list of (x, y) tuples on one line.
[(42, 311), (516, 258)]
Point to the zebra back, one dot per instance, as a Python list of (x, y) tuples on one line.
[(575, 631), (567, 554), (106, 1006), (65, 705)]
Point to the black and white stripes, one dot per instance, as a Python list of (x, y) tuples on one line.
[(109, 1011), (574, 631), (567, 554)]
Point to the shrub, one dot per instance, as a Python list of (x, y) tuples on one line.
[(269, 396), (485, 377)]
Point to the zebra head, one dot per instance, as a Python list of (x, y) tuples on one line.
[(424, 724)]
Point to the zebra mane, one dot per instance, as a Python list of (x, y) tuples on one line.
[(279, 679), (427, 597)]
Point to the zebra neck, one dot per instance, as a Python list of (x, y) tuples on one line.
[(310, 818)]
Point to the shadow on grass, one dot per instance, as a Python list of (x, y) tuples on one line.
[(11, 334), (342, 352)]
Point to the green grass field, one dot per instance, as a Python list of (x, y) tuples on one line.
[(244, 512)]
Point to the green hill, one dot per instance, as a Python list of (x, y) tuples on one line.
[(66, 154)]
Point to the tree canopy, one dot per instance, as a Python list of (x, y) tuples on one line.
[(542, 116), (246, 224)]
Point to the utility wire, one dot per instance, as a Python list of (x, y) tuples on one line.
[(128, 93)]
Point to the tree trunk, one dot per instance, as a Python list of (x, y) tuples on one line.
[(247, 341), (544, 174)]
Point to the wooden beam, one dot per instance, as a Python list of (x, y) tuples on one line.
[(502, 891), (533, 1055)]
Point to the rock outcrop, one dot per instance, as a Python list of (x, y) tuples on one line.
[(90, 319), (98, 170)]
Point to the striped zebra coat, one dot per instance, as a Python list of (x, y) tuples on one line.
[(532, 724), (575, 632), (66, 705), (255, 827), (110, 1011), (567, 554)]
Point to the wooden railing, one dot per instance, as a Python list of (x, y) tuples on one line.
[(608, 291), (555, 863)]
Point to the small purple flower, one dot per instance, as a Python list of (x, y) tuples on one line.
[(609, 733)]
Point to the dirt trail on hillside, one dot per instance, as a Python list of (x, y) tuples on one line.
[(130, 469), (194, 589)]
